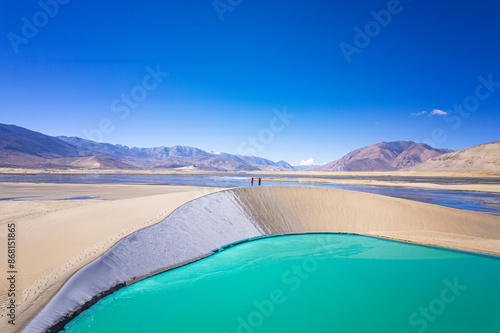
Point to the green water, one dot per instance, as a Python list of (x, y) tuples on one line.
[(310, 283)]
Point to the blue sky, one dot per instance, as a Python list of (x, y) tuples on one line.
[(279, 79)]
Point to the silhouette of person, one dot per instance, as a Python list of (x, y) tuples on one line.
[(251, 181), (259, 181)]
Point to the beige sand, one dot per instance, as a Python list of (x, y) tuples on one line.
[(313, 209), (56, 238)]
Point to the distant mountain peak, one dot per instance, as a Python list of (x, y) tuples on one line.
[(384, 156)]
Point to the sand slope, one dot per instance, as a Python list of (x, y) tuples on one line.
[(55, 238), (205, 224), (306, 209)]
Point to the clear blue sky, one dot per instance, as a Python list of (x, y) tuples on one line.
[(232, 68)]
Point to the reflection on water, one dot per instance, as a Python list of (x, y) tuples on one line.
[(478, 201)]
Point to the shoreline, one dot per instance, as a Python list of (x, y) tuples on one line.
[(399, 173), (448, 181), (488, 188), (85, 229), (59, 325), (124, 206)]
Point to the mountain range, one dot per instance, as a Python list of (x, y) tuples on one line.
[(384, 156), (20, 147)]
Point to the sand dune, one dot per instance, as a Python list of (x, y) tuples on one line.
[(306, 209), (57, 237), (205, 224)]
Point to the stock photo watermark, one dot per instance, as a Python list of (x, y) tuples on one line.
[(460, 111), (30, 27), (12, 302), (253, 144), (363, 36), (291, 280), (426, 315), (126, 102), (223, 6)]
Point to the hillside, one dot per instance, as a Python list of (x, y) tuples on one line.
[(384, 156), (20, 147), (481, 158)]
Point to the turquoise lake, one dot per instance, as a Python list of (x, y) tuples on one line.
[(310, 283)]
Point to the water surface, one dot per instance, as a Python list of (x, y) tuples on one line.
[(477, 201), (311, 283)]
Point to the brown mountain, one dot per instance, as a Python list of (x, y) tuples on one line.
[(481, 158), (20, 147), (384, 156), (17, 140)]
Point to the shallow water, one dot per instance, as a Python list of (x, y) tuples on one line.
[(310, 283), (478, 201), (85, 197)]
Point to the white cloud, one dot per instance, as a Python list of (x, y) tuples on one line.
[(434, 112), (437, 112), (304, 162)]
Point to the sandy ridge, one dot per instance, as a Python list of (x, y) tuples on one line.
[(56, 238)]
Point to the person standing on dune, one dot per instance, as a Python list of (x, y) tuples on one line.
[(251, 181), (259, 181)]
